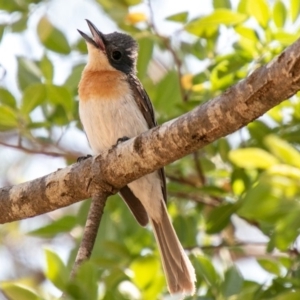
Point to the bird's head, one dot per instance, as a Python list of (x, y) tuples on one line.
[(111, 51)]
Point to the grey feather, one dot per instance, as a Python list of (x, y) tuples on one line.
[(177, 266)]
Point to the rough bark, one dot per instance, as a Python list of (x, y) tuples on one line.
[(90, 230), (239, 105)]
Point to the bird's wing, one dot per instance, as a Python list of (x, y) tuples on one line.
[(134, 205), (145, 106), (143, 101)]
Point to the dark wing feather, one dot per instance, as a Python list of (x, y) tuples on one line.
[(135, 206), (145, 105), (143, 101)]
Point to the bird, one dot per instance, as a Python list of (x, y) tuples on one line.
[(113, 105)]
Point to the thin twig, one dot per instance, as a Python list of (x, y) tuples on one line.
[(242, 250), (90, 230), (195, 198), (68, 155), (198, 168), (181, 180)]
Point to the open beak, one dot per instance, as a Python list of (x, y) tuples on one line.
[(97, 39)]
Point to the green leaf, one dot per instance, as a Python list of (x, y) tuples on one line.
[(285, 171), (81, 46), (219, 218), (56, 271), (84, 285), (7, 98), (242, 7), (132, 2), (186, 229), (64, 224), (223, 16), (16, 291), (116, 248), (113, 280), (219, 80), (167, 94), (290, 295), (28, 72), (145, 269), (8, 118), (72, 81), (240, 181), (12, 6), (283, 150), (260, 11), (2, 27), (35, 125), (52, 38), (219, 16), (287, 230), (58, 116), (116, 9), (270, 265), (247, 33), (20, 25), (60, 95), (233, 282), (180, 17), (33, 96), (295, 9), (148, 276), (258, 131), (279, 14), (222, 4), (252, 158), (47, 68), (206, 270), (261, 202), (285, 38), (145, 54)]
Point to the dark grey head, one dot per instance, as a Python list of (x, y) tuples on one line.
[(121, 49)]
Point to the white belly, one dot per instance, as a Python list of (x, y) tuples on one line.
[(108, 120), (104, 123)]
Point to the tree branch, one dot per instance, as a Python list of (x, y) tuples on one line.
[(66, 154), (239, 105), (90, 230), (198, 168)]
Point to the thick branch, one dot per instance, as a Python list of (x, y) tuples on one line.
[(239, 105)]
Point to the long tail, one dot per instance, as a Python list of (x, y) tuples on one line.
[(177, 266)]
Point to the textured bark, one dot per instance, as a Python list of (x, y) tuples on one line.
[(239, 105), (90, 230)]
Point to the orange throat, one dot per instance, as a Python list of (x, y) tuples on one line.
[(102, 85)]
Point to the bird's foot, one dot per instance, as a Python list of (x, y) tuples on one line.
[(121, 140), (82, 158)]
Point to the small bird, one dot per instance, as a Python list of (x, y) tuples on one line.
[(113, 105)]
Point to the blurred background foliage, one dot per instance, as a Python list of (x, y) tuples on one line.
[(234, 204)]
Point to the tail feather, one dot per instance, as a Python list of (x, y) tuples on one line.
[(179, 271)]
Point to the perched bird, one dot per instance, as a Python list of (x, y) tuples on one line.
[(113, 104)]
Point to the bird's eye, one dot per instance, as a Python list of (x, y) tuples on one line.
[(116, 55)]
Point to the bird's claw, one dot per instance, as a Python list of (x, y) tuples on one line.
[(82, 158), (122, 139)]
